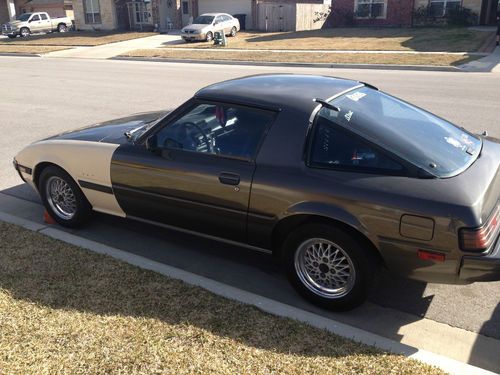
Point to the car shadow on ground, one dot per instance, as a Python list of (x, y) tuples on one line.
[(251, 271)]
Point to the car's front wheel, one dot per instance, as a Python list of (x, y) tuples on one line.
[(62, 198), (24, 32), (329, 267), (209, 37)]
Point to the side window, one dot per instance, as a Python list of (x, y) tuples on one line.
[(217, 129), (218, 19), (336, 148), (35, 18), (43, 16)]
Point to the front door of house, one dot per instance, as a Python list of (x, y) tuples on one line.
[(186, 14)]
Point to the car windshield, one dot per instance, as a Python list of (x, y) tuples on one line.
[(24, 17), (203, 20), (425, 140)]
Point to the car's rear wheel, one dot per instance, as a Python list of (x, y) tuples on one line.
[(24, 32), (62, 198), (62, 28), (329, 267), (209, 37), (233, 31)]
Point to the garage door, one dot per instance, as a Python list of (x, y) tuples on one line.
[(227, 6)]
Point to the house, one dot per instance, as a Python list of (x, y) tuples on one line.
[(55, 8), (405, 12), (10, 9), (271, 15), (7, 10)]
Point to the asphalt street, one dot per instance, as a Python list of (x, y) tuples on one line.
[(41, 97)]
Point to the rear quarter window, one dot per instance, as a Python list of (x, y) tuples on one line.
[(335, 148)]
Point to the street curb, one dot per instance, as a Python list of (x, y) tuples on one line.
[(13, 54), (294, 65), (265, 304)]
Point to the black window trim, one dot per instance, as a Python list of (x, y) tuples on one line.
[(194, 102), (409, 170)]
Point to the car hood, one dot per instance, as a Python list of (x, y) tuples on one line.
[(15, 23), (111, 131), (197, 26)]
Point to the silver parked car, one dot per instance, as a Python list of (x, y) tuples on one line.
[(205, 26)]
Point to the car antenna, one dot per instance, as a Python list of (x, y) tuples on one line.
[(324, 103)]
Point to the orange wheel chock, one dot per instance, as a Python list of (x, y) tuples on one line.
[(47, 218)]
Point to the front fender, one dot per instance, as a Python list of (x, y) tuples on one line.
[(82, 160)]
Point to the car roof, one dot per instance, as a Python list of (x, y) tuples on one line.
[(277, 91), (213, 14)]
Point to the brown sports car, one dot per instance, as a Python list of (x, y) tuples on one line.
[(331, 175)]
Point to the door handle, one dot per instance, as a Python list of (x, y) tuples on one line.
[(229, 178)]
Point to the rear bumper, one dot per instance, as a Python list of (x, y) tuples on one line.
[(481, 268)]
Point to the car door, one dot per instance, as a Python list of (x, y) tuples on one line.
[(35, 23), (197, 170), (45, 24), (218, 23)]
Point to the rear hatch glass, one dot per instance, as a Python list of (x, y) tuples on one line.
[(425, 140)]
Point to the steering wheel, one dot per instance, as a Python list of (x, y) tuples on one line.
[(204, 135)]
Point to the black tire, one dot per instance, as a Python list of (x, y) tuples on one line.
[(209, 37), (12, 36), (24, 32), (74, 218), (61, 28), (320, 291), (233, 32)]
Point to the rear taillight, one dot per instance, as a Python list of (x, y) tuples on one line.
[(480, 239)]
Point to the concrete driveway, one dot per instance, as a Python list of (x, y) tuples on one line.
[(462, 322)]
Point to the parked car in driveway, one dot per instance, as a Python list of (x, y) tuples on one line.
[(332, 176), (205, 26), (37, 22)]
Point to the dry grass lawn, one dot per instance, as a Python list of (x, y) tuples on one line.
[(67, 310), (28, 49), (363, 39), (75, 38), (327, 58)]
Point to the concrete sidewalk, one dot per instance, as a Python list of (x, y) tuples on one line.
[(107, 51), (490, 63)]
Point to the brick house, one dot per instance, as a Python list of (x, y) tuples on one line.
[(268, 15)]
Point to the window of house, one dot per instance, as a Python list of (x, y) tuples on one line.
[(185, 7), (440, 8), (370, 8), (92, 10)]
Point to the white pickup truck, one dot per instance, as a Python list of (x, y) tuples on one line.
[(37, 22)]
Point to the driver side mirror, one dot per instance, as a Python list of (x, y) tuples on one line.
[(152, 144)]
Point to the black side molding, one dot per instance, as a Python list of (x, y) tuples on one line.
[(97, 187)]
